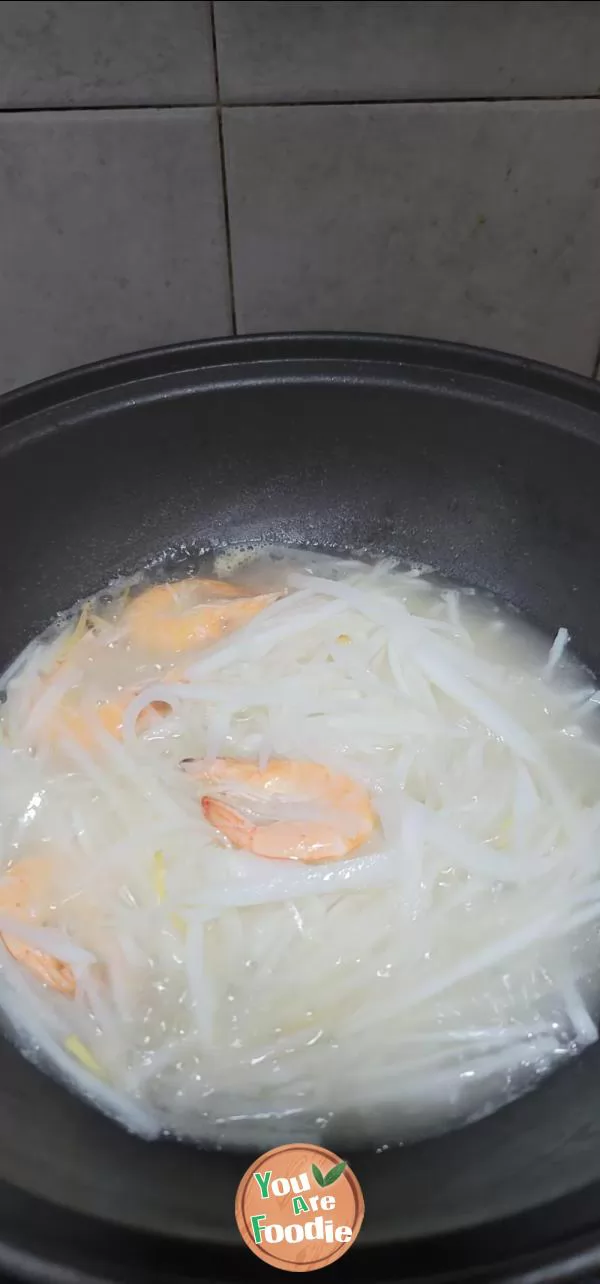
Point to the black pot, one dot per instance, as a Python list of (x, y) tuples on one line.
[(484, 466)]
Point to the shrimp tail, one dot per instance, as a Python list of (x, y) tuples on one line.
[(58, 975)]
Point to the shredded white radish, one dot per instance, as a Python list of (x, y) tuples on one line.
[(557, 651)]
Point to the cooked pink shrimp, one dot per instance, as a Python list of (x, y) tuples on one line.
[(72, 722), (306, 840), (25, 883), (175, 617)]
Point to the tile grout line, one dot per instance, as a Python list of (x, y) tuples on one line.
[(397, 101), (224, 190), (291, 102)]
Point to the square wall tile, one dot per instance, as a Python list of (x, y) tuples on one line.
[(477, 222), (111, 236), (362, 49), (82, 53)]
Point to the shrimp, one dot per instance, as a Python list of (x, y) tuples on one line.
[(171, 617), (306, 840), (26, 882), (70, 720), (188, 613)]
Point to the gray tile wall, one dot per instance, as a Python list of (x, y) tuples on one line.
[(171, 170)]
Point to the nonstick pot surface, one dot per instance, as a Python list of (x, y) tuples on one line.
[(487, 468)]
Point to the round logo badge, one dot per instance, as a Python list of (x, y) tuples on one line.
[(299, 1207)]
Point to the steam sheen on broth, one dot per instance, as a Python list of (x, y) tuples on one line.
[(424, 765)]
